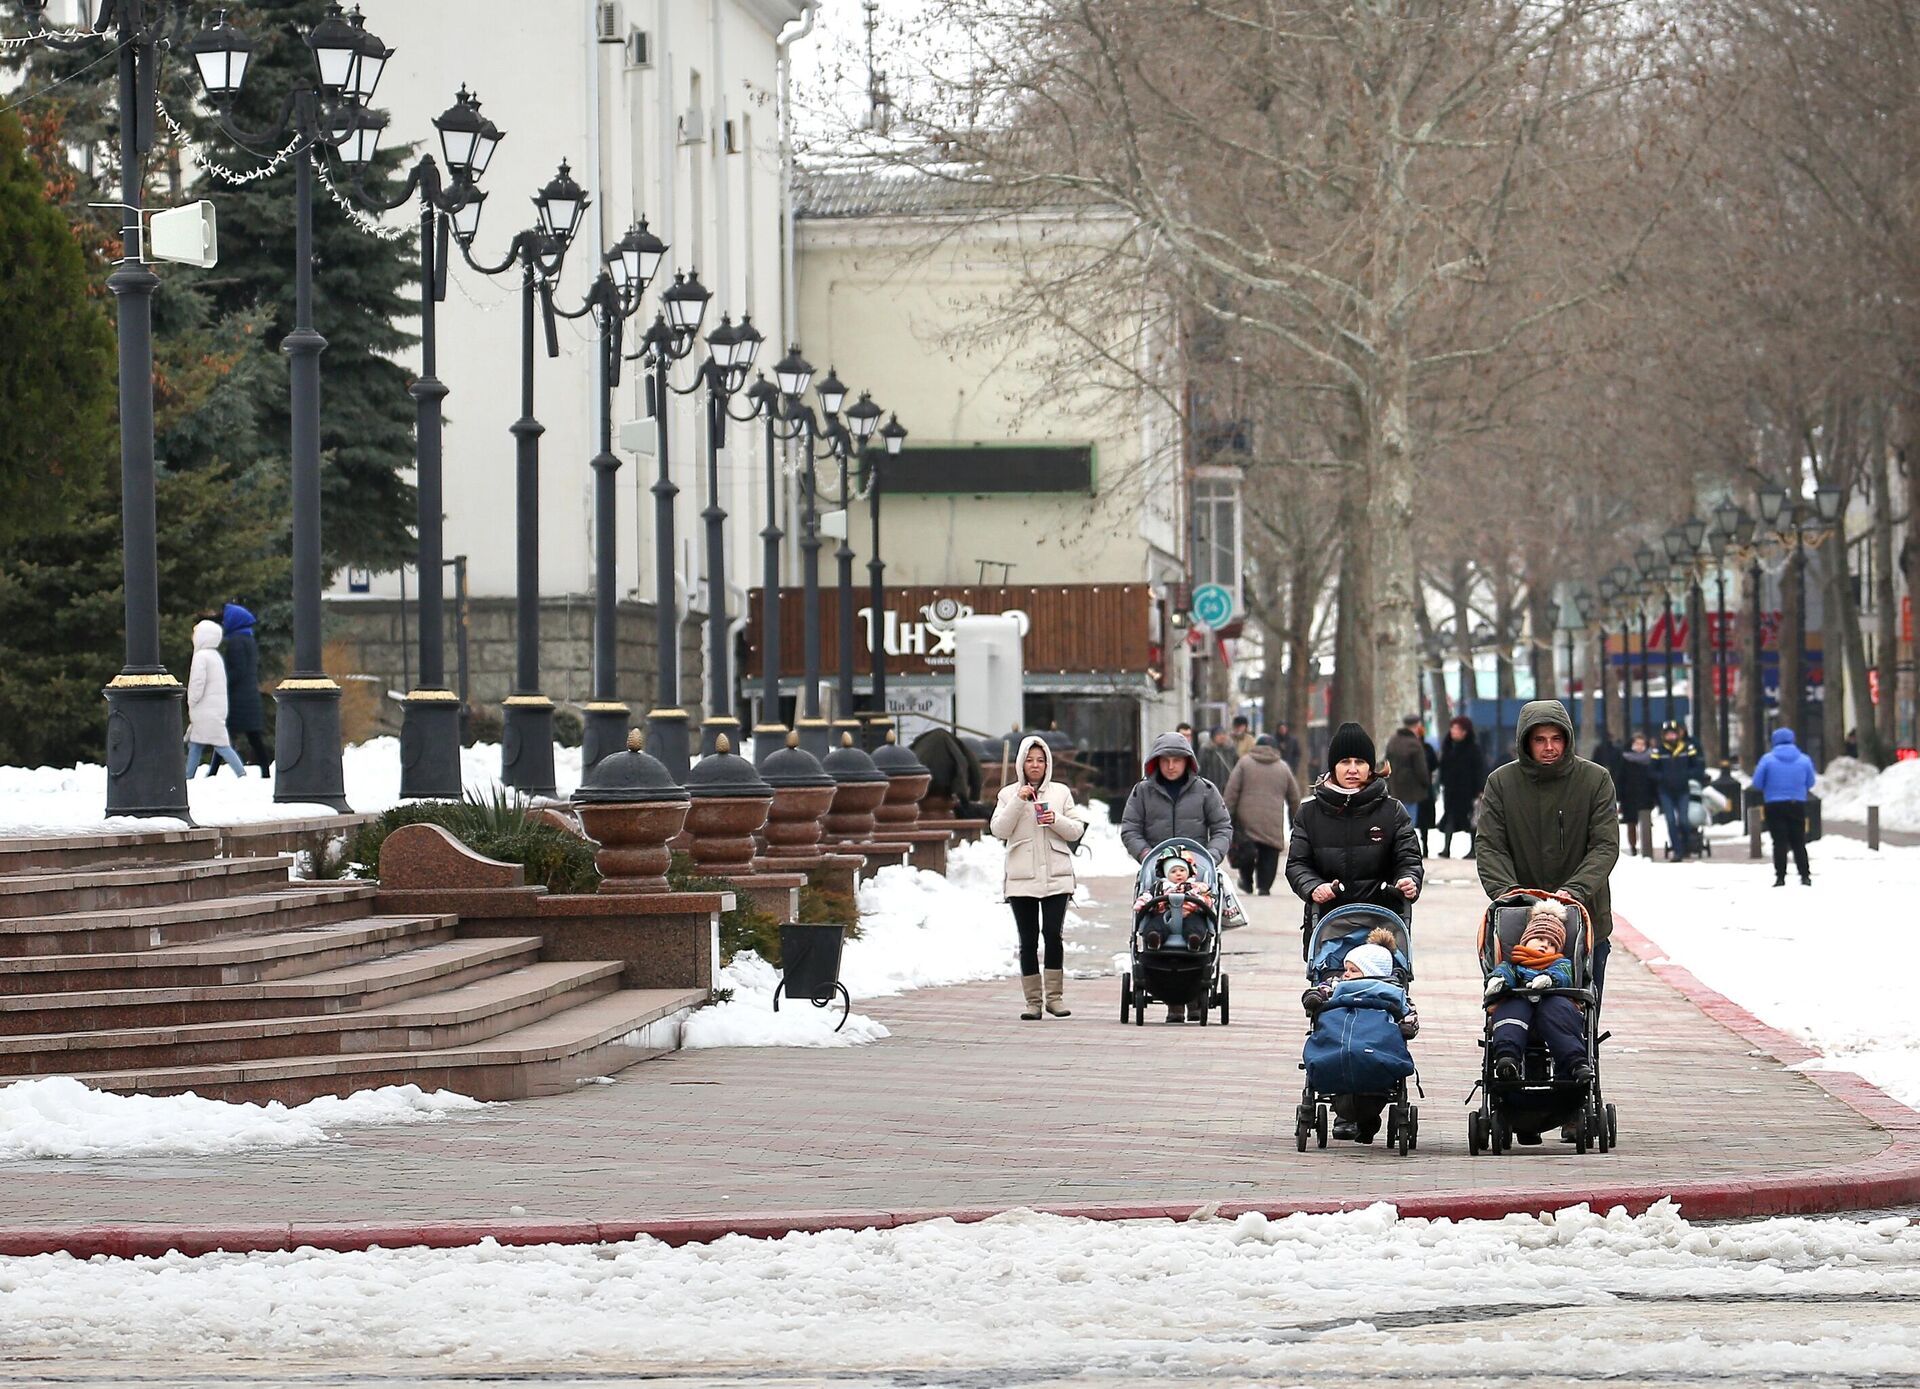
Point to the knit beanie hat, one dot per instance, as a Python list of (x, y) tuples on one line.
[(1373, 961), (1350, 740), (1547, 918)]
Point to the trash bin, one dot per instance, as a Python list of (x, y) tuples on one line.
[(810, 966)]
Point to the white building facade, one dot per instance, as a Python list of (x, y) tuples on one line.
[(664, 109)]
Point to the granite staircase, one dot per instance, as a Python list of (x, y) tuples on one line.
[(146, 962)]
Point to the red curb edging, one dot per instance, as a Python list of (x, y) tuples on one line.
[(1890, 1178)]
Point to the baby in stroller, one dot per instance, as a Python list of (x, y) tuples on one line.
[(1174, 875), (1356, 1055), (1517, 992)]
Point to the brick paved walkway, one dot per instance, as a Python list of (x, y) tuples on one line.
[(967, 1107)]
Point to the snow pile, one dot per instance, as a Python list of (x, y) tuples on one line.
[(68, 800), (58, 1117), (1849, 786), (1106, 857), (748, 1020), (1026, 1297), (1825, 964)]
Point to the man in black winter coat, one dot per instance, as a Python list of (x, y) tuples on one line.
[(1352, 842)]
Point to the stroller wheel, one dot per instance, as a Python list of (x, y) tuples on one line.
[(1224, 1017), (1126, 996), (1320, 1125), (1613, 1128), (1413, 1126), (1476, 1133)]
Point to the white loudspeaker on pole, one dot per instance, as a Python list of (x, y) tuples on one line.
[(187, 235), (988, 677)]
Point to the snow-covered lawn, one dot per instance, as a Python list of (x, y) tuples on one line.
[(56, 1117), (1832, 964), (68, 800), (1026, 1297)]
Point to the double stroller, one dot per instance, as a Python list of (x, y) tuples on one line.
[(1174, 949), (1355, 1056), (1541, 1096)]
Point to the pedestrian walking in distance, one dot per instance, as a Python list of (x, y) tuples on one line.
[(1634, 789), (207, 702), (1463, 773), (1408, 777), (1784, 779), (1262, 797), (1040, 825), (240, 652), (1217, 758)]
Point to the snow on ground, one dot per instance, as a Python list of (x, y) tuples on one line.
[(68, 800), (1105, 857), (1832, 964), (1027, 1297), (1849, 786), (57, 1117)]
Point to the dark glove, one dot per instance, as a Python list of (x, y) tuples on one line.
[(1313, 1000)]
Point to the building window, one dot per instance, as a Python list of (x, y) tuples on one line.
[(1216, 527)]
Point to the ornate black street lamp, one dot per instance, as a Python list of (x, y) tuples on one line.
[(145, 703), (731, 353), (1674, 542), (671, 339), (893, 435), (779, 405), (1789, 520), (629, 266), (1728, 522), (430, 718), (330, 114), (526, 753), (862, 419), (1647, 566)]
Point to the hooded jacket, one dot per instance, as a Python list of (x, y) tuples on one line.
[(1039, 857), (1550, 827), (1785, 773), (1191, 808), (1675, 765), (1262, 796), (207, 689), (1359, 839), (241, 653)]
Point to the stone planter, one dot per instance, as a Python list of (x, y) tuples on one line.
[(861, 787), (802, 795), (631, 807), (907, 782), (730, 802)]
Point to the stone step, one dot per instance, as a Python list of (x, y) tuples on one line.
[(542, 1057), (245, 960), (68, 853), (125, 929), (452, 1017), (366, 983), (29, 895)]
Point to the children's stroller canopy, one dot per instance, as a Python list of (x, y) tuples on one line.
[(1346, 928)]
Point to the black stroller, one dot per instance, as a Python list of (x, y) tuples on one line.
[(1326, 943), (1165, 965), (1540, 1099)]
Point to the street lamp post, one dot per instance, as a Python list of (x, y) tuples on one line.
[(671, 339), (777, 402), (526, 754), (613, 298), (329, 114), (815, 731), (145, 703), (863, 417), (893, 435), (430, 713), (1648, 567), (1674, 543), (731, 354)]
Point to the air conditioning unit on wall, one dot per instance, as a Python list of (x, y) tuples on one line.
[(693, 127), (607, 22), (639, 49)]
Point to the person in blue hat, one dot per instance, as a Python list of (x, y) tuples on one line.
[(1784, 780)]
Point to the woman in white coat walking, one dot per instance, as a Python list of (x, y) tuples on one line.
[(1040, 823), (207, 702)]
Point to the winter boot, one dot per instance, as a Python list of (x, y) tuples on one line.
[(1056, 981), (1030, 986)]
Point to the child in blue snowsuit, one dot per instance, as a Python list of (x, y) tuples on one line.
[(1361, 1025), (1516, 993)]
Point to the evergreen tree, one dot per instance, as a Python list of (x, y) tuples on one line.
[(361, 289), (56, 354)]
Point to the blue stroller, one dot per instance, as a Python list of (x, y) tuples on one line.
[(1354, 1047), (1175, 953)]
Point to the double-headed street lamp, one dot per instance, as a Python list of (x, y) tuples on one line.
[(145, 703), (1784, 519), (326, 115), (526, 753), (430, 718), (893, 435), (629, 266), (731, 353)]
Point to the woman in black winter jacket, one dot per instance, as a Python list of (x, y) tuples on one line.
[(1463, 776), (1351, 841)]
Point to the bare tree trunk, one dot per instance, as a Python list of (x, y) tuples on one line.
[(1877, 741), (1840, 608), (1749, 681), (1460, 589), (1430, 658), (1540, 634), (1792, 644), (1706, 728)]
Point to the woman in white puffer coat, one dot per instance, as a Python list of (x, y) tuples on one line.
[(1040, 823), (207, 702)]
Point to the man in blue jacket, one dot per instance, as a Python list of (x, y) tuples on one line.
[(1784, 778), (1677, 764)]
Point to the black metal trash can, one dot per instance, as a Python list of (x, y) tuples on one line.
[(810, 966)]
